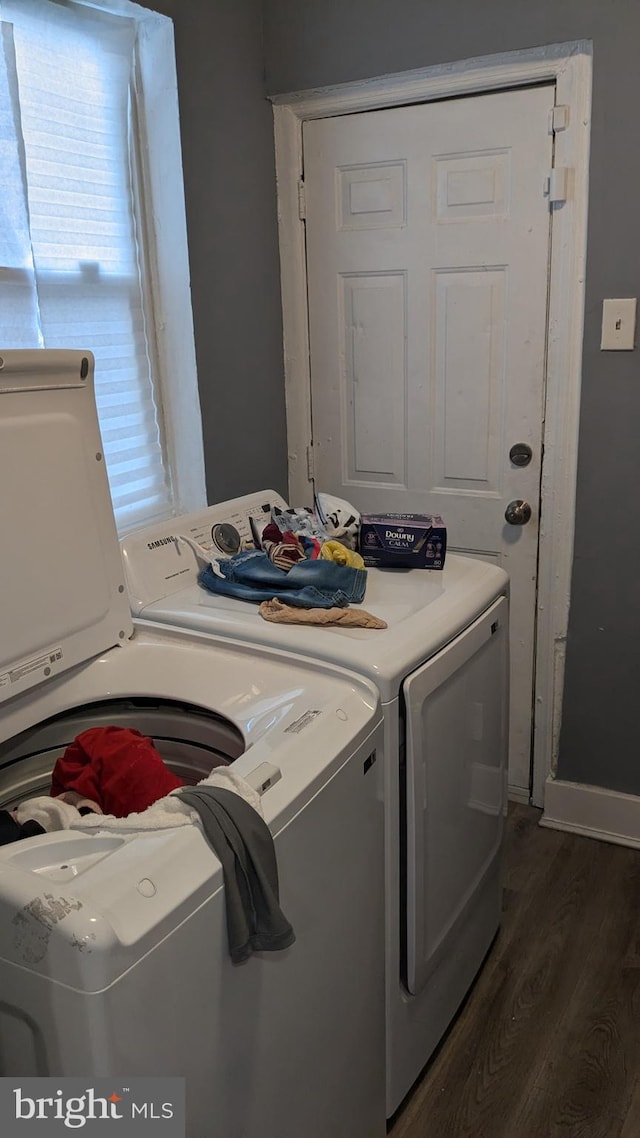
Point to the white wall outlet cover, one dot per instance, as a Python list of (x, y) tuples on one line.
[(618, 325)]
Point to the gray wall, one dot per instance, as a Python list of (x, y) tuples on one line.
[(229, 173), (316, 42)]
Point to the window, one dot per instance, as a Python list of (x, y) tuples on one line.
[(77, 268)]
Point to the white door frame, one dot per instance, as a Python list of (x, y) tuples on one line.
[(568, 65)]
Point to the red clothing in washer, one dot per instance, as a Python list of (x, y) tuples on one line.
[(116, 767)]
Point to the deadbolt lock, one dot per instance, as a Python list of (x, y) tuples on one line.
[(520, 454)]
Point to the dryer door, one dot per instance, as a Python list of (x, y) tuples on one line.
[(456, 754)]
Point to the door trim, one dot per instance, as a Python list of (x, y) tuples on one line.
[(569, 67)]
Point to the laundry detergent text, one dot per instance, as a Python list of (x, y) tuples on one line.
[(393, 536)]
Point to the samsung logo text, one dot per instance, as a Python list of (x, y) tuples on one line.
[(160, 541)]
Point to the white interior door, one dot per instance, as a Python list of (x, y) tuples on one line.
[(428, 235)]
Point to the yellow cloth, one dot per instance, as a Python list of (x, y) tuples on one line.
[(336, 551)]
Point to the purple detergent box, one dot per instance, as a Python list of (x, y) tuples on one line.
[(403, 541)]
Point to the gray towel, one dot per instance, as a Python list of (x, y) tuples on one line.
[(243, 842)]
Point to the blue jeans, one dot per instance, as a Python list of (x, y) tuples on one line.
[(251, 576)]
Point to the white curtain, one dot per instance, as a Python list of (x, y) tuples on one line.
[(71, 267)]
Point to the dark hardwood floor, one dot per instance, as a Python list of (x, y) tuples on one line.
[(547, 1044)]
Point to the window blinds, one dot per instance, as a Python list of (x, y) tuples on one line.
[(70, 256)]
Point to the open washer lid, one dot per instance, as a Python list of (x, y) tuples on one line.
[(63, 598)]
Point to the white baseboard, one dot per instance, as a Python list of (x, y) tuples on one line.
[(518, 794), (592, 811)]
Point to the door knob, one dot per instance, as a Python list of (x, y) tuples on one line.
[(518, 512)]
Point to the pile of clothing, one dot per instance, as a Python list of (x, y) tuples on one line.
[(303, 560), (105, 771)]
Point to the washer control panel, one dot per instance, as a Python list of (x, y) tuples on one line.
[(157, 563)]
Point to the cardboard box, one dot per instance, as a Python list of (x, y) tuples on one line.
[(403, 541)]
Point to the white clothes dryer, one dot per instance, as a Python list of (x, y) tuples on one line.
[(441, 668), (113, 953)]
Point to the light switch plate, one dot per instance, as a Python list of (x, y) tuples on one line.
[(618, 325)]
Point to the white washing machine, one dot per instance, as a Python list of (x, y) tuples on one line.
[(113, 951), (441, 668)]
